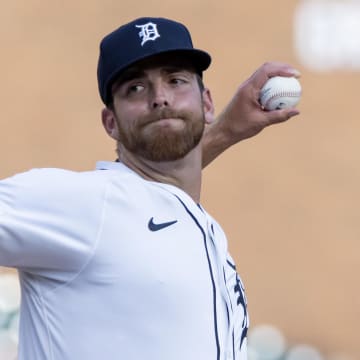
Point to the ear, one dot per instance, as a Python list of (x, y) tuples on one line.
[(208, 107), (109, 123)]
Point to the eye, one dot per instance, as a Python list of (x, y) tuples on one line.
[(177, 80), (135, 88)]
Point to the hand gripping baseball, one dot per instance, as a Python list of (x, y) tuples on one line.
[(244, 116)]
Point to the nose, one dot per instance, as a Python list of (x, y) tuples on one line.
[(160, 96)]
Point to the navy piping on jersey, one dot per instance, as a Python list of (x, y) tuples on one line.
[(231, 265), (232, 310), (211, 275), (227, 308)]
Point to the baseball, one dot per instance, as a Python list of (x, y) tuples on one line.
[(280, 92)]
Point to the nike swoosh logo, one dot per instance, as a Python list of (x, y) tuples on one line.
[(156, 227)]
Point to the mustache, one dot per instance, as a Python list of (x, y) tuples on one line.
[(164, 113)]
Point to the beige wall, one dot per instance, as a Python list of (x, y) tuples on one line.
[(288, 199)]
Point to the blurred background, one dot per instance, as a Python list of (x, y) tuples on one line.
[(288, 198)]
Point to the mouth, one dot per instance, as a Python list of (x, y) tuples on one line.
[(166, 120), (165, 123)]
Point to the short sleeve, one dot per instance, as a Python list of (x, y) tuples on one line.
[(48, 221)]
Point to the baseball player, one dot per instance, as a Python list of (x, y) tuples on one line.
[(123, 262)]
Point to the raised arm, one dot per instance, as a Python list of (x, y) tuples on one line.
[(243, 116)]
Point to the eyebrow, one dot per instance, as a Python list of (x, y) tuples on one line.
[(135, 72), (126, 76)]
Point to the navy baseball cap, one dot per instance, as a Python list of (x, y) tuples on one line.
[(140, 39)]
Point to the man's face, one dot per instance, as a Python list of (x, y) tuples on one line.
[(159, 109)]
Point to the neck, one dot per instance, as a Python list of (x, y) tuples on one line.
[(184, 173)]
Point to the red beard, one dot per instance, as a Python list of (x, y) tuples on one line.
[(163, 144)]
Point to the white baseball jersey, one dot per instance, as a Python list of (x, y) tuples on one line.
[(112, 266)]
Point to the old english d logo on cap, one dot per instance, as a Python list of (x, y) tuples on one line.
[(139, 40), (148, 32)]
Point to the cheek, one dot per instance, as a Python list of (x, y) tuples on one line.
[(190, 101), (128, 119), (132, 110)]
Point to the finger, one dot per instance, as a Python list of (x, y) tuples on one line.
[(280, 69), (279, 116), (271, 69)]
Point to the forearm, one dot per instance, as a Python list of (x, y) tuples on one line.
[(215, 141)]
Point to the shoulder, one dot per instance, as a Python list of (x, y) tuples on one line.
[(50, 179), (51, 186), (56, 177)]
